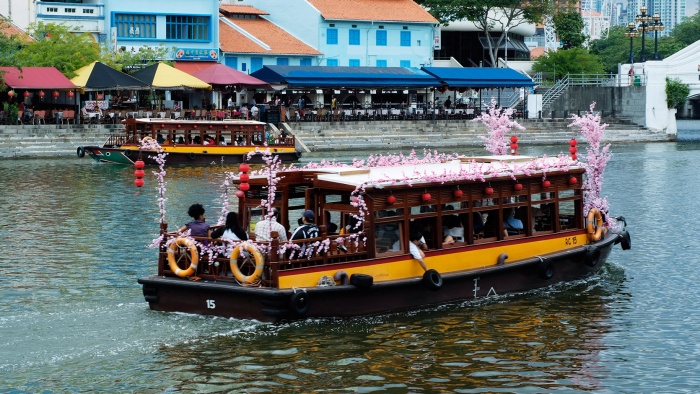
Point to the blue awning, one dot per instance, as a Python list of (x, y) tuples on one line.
[(475, 77), (348, 77)]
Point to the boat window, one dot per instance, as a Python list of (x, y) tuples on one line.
[(566, 193), (428, 228), (423, 209), (567, 215), (388, 237), (254, 215), (385, 213), (455, 206), (258, 137), (336, 198), (542, 218), (241, 138), (542, 196), (331, 220)]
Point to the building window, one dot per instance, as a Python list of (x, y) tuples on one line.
[(305, 61), (88, 11), (51, 9), (405, 38), (231, 61), (282, 61), (405, 63), (332, 62), (381, 38), (354, 37), (135, 25), (184, 27), (381, 63), (69, 10), (354, 63), (244, 66), (256, 63), (332, 36)]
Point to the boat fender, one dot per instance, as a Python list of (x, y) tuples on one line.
[(342, 277), (625, 241), (502, 259), (194, 257), (191, 156), (236, 270), (594, 225), (432, 279), (546, 268), (299, 302), (361, 280), (81, 151), (592, 256)]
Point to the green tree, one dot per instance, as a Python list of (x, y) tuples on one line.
[(568, 61), (676, 93), (688, 31), (615, 49), (490, 16), (130, 60), (56, 46), (569, 26)]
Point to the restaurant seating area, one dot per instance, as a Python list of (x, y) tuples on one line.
[(369, 114)]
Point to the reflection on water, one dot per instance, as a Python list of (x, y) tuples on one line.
[(73, 317)]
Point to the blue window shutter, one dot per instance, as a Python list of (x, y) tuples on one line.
[(354, 63), (405, 38), (332, 36)]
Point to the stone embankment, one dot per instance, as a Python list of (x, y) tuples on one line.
[(387, 135), (63, 140)]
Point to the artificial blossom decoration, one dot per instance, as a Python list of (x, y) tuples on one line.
[(499, 124)]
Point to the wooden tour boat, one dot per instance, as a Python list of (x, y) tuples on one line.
[(192, 142), (361, 264)]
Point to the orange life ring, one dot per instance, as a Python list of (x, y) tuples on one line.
[(594, 225), (259, 263), (194, 256)]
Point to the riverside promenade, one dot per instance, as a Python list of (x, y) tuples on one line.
[(36, 141)]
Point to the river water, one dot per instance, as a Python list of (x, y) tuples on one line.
[(73, 318)]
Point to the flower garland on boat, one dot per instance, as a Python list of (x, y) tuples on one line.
[(597, 158), (149, 144), (499, 124)]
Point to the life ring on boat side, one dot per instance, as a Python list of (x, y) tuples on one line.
[(194, 257), (81, 151), (259, 263), (594, 225), (299, 302), (432, 279), (361, 280), (592, 256)]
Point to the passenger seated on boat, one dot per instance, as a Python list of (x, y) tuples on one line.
[(232, 230), (491, 224), (331, 227), (266, 226), (160, 139), (198, 227), (181, 140), (307, 230), (511, 224), (352, 225), (222, 140), (197, 140), (478, 222), (425, 227), (452, 230), (415, 246)]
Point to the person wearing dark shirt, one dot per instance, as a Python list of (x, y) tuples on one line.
[(198, 227), (307, 229)]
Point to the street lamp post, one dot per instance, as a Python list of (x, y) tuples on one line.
[(644, 21), (657, 26), (631, 33)]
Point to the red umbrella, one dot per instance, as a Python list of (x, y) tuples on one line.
[(220, 74)]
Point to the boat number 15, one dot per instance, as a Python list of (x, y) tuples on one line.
[(570, 240), (211, 304)]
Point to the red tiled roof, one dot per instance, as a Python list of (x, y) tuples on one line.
[(536, 52), (373, 10), (10, 29), (277, 39), (241, 9), (36, 78)]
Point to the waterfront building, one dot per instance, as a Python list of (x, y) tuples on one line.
[(128, 25), (394, 34)]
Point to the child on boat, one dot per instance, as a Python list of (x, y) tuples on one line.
[(198, 227)]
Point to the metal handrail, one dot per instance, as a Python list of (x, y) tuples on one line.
[(555, 91)]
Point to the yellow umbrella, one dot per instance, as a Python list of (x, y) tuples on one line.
[(162, 76)]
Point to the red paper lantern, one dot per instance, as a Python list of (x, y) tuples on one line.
[(574, 157), (71, 94), (195, 126), (244, 167), (546, 184), (573, 142), (513, 146), (240, 194), (244, 177), (518, 187), (139, 173), (244, 187), (138, 182), (573, 180), (41, 94), (226, 127), (391, 200), (139, 164), (458, 193), (26, 93), (56, 94), (425, 197), (572, 150), (162, 125), (211, 126), (513, 139), (11, 94), (178, 126), (488, 191)]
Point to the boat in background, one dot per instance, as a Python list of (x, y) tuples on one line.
[(361, 262), (193, 142)]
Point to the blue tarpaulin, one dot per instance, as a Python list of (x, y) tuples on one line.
[(349, 77), (474, 77)]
